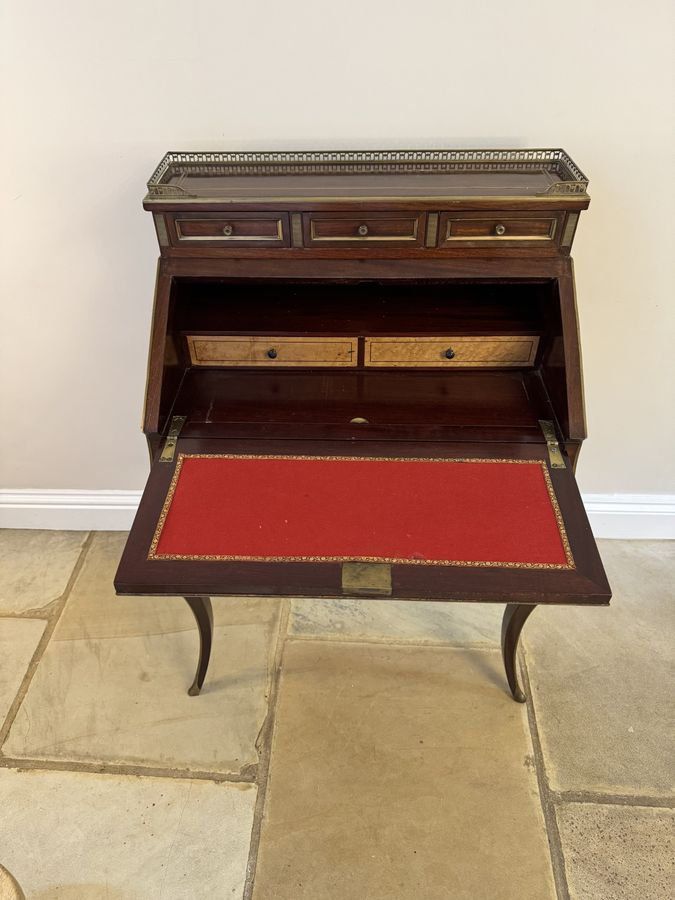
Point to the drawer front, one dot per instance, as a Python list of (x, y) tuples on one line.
[(240, 229), (495, 228), (234, 350), (364, 229), (451, 352)]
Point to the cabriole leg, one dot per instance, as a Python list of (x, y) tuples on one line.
[(515, 616), (203, 613)]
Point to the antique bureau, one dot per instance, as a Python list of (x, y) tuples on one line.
[(365, 380)]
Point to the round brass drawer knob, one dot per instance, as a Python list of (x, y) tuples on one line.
[(272, 353), (500, 230), (449, 353), (227, 230), (363, 230)]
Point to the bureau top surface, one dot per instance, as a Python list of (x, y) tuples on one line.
[(224, 177)]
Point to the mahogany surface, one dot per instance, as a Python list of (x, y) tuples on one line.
[(407, 244)]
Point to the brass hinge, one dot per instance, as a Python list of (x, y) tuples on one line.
[(555, 457), (169, 448)]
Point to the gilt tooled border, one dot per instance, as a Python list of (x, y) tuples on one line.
[(153, 555)]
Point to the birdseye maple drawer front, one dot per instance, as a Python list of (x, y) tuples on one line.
[(451, 352), (495, 228), (364, 229), (231, 350), (256, 229)]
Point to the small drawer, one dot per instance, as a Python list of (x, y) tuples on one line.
[(495, 228), (365, 229), (263, 350), (451, 352), (254, 229)]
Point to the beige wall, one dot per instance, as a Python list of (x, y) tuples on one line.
[(94, 93)]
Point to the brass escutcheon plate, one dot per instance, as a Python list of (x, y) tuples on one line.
[(366, 578)]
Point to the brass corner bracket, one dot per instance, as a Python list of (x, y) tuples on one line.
[(555, 457), (169, 448)]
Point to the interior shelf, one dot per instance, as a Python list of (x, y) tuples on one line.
[(311, 404)]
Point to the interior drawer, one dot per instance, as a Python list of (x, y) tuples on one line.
[(495, 228), (452, 352), (364, 228), (264, 350), (239, 229)]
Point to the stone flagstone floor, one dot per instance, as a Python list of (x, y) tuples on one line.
[(346, 750)]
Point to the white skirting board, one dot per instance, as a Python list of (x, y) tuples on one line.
[(639, 516), (69, 510)]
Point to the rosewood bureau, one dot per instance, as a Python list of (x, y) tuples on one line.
[(364, 380)]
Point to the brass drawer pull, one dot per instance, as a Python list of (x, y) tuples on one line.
[(227, 230), (272, 353), (359, 420), (500, 230), (363, 230), (449, 353)]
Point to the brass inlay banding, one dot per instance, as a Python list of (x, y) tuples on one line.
[(160, 228), (274, 239), (552, 199), (570, 228), (432, 230), (296, 230), (362, 238), (153, 555), (502, 236)]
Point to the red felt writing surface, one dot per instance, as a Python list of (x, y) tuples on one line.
[(414, 511)]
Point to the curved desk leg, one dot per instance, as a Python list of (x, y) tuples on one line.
[(515, 616), (203, 613)]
